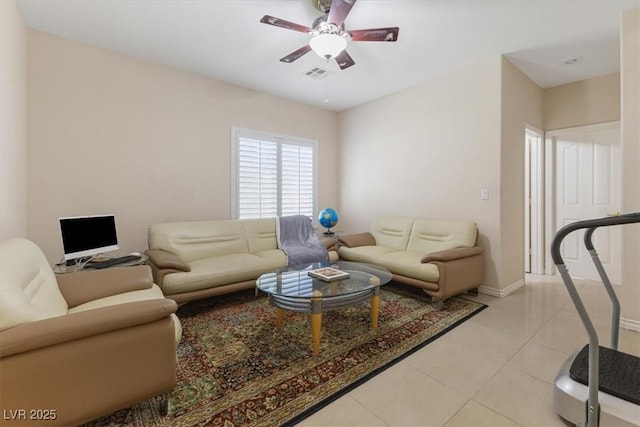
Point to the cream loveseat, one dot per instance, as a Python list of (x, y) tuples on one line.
[(438, 256), (77, 346), (198, 259)]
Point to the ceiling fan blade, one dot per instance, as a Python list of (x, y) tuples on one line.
[(375, 35), (296, 55), (344, 60), (277, 22), (339, 10)]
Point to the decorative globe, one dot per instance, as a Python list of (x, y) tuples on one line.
[(328, 218)]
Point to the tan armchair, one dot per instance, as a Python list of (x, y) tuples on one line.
[(78, 346)]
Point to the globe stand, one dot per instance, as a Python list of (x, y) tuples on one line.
[(328, 232)]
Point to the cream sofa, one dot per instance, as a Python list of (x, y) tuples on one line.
[(439, 256), (197, 259), (77, 346)]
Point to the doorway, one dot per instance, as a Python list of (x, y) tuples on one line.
[(584, 182)]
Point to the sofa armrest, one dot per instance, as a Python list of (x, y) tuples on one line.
[(359, 239), (451, 254), (163, 263), (83, 286), (330, 243), (167, 260), (74, 326)]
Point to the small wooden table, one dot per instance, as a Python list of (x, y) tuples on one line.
[(292, 289)]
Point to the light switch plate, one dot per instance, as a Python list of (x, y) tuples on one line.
[(484, 194)]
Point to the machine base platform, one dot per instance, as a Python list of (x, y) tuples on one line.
[(570, 402)]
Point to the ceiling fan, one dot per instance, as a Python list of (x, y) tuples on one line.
[(329, 36)]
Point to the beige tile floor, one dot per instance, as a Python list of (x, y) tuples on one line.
[(496, 369)]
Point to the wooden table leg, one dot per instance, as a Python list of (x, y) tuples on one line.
[(375, 305), (316, 327), (316, 319)]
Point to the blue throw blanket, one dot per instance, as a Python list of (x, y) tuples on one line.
[(299, 241)]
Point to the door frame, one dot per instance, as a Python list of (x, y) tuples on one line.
[(534, 200), (550, 182)]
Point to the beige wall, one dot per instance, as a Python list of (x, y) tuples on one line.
[(595, 100), (522, 102), (13, 116), (426, 152), (630, 76), (112, 134)]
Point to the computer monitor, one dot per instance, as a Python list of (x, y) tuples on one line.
[(88, 235)]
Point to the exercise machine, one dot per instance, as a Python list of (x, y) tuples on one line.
[(596, 385)]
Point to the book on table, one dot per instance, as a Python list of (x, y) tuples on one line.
[(328, 274)]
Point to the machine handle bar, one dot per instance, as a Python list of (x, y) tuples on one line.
[(628, 218)]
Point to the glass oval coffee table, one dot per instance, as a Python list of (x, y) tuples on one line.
[(294, 289)]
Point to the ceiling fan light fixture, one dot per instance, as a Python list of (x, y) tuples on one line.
[(328, 36), (328, 45)]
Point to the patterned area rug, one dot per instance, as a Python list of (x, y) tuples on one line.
[(235, 368)]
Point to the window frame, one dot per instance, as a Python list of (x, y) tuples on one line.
[(238, 133)]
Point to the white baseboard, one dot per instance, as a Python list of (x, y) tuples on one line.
[(630, 324), (500, 293)]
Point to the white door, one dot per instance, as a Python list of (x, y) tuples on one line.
[(587, 166)]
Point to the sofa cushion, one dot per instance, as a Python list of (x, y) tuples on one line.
[(28, 287), (196, 240), (368, 254), (430, 235), (391, 231), (408, 263), (218, 271), (404, 263), (275, 257)]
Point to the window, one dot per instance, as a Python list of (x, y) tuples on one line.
[(272, 175)]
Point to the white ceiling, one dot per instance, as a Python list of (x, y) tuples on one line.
[(224, 39)]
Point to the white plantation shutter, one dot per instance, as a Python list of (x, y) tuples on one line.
[(272, 175), (257, 179), (297, 180)]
